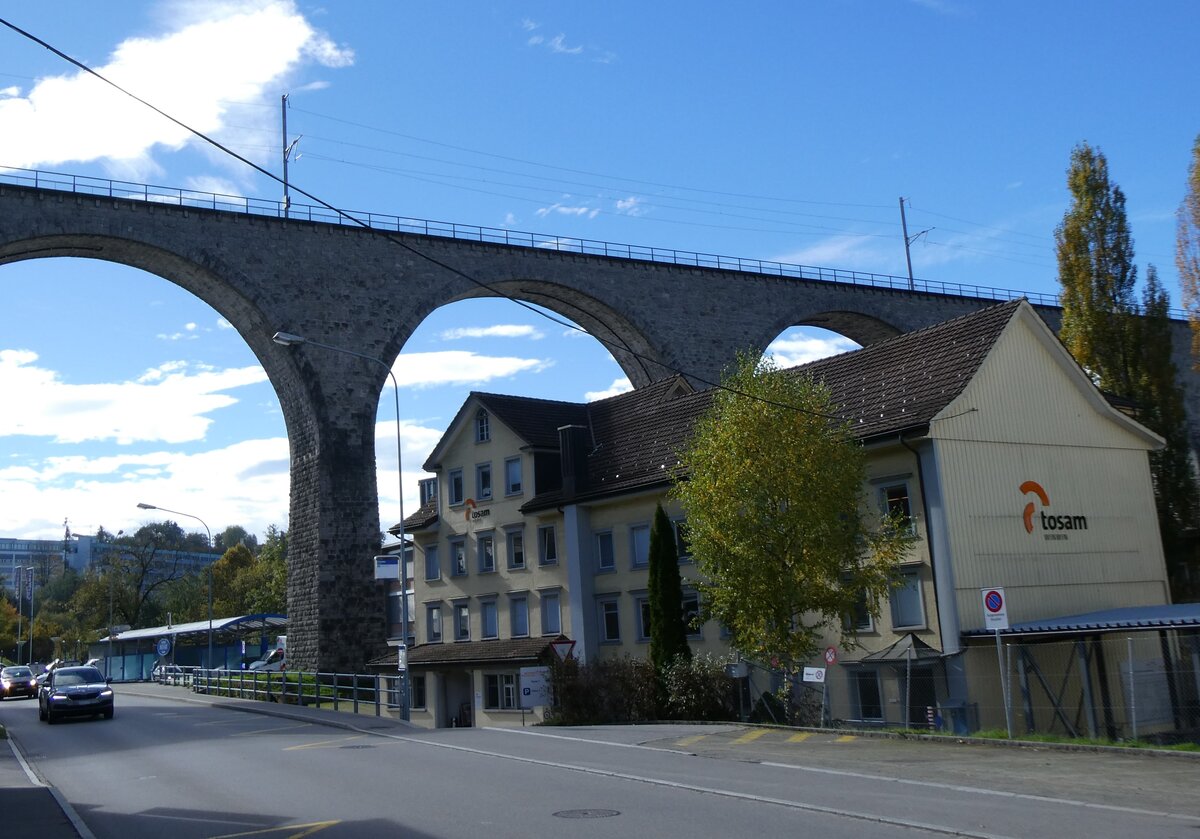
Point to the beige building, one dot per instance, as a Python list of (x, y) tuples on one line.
[(1012, 469)]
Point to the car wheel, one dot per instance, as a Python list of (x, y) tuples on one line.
[(50, 718), (108, 715), (41, 712)]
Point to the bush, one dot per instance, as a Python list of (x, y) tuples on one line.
[(698, 689)]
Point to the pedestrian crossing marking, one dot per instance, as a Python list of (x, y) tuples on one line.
[(750, 736)]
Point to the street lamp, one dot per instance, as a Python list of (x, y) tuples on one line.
[(30, 569), (287, 339), (144, 506)]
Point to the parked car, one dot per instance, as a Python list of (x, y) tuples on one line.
[(17, 681), (74, 692)]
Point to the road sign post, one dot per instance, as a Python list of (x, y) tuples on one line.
[(995, 617)]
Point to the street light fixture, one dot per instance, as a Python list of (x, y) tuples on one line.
[(288, 339), (144, 506)]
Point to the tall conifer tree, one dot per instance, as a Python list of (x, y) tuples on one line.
[(668, 634)]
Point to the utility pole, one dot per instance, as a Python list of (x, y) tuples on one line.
[(908, 240), (287, 153)]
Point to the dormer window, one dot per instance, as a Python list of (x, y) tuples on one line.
[(482, 430)]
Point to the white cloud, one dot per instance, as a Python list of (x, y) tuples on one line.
[(503, 330), (564, 210), (77, 118), (558, 44), (167, 404), (619, 386), (630, 206), (460, 367), (795, 346), (224, 324)]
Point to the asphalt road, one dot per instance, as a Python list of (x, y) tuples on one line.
[(169, 767)]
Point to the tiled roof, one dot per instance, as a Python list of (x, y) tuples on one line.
[(426, 515), (499, 651), (536, 421)]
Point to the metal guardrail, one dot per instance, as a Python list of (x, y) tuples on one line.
[(175, 196), (353, 692)]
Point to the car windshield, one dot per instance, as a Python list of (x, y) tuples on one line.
[(16, 673), (78, 676)]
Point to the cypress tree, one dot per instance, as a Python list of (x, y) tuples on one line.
[(668, 634)]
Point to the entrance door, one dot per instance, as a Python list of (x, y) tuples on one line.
[(457, 700), (921, 696)]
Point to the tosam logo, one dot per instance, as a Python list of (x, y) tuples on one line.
[(1036, 489), (1032, 515)]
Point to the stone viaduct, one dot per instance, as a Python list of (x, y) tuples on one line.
[(366, 291)]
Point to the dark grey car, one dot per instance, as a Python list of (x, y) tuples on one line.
[(74, 692)]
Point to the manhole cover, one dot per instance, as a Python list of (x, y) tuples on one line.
[(586, 814), (357, 746)]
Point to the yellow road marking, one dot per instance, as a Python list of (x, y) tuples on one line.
[(846, 738), (750, 736), (799, 738), (321, 743), (304, 830), (271, 730), (687, 741)]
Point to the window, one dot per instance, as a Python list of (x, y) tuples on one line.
[(547, 545), (643, 613), (428, 489), (512, 476), (483, 431), (500, 691), (683, 548), (433, 623), (691, 614), (859, 617), (416, 692), (433, 565), (491, 624), (518, 610), (866, 692), (462, 622), (895, 502), (455, 489), (605, 559), (908, 611), (483, 481), (458, 558), (639, 545), (551, 613), (610, 622), (395, 616), (516, 549), (485, 545)]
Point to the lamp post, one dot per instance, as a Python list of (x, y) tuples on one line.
[(144, 506), (31, 586), (287, 339)]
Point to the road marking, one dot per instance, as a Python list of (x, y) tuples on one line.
[(687, 741), (271, 730), (799, 738), (321, 743), (750, 736), (304, 830), (846, 738)]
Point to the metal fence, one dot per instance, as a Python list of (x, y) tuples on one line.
[(175, 196), (356, 693)]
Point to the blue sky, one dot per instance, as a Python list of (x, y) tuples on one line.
[(780, 131)]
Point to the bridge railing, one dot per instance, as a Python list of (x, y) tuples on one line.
[(176, 196), (357, 693)]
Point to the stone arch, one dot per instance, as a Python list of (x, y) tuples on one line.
[(864, 329)]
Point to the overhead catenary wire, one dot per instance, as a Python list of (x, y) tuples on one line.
[(399, 242)]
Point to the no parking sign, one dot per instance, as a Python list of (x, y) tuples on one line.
[(995, 608)]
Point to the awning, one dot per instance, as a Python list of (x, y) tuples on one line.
[(241, 624), (908, 648), (1165, 616)]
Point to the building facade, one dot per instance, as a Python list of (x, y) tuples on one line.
[(1009, 466)]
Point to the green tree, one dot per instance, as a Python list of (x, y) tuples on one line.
[(1187, 246), (778, 526), (1161, 409), (1097, 274), (668, 633)]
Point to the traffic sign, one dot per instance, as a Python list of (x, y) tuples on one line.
[(831, 656), (163, 647), (562, 648), (814, 674), (995, 608)]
